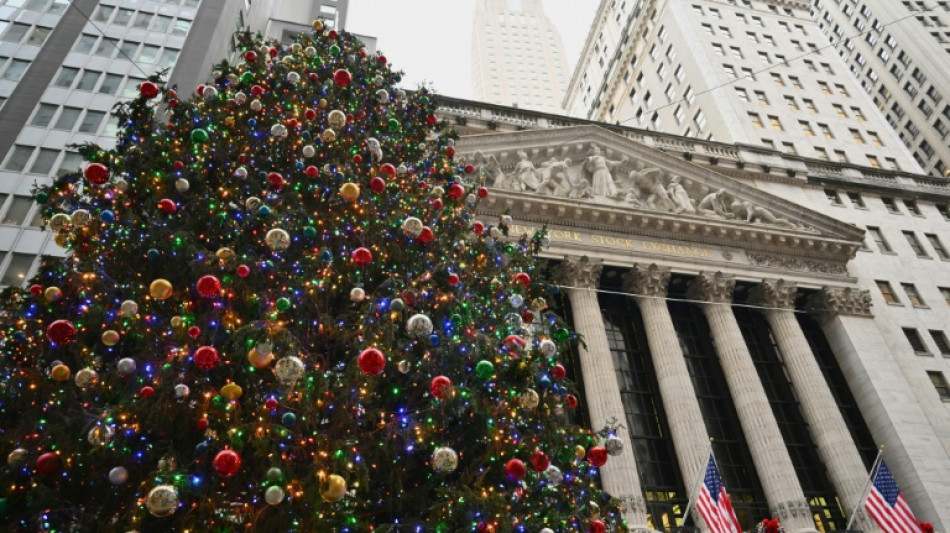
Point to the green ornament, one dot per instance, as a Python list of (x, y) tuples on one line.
[(442, 528), (484, 369), (247, 77), (317, 62), (274, 475), (42, 197), (199, 135), (283, 304), (393, 125), (310, 232), (334, 49), (456, 319), (561, 334)]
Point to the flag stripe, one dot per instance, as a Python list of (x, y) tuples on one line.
[(887, 505), (713, 502)]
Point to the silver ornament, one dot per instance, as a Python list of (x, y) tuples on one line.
[(277, 239), (182, 185), (162, 501), (309, 151), (240, 173), (614, 445), (118, 475), (404, 366), (444, 460), (357, 294), (182, 391), (274, 495), (548, 348), (80, 217), (86, 377), (129, 308), (278, 130), (100, 435), (412, 227), (419, 325), (16, 458), (529, 399), (289, 370), (553, 475), (126, 366)]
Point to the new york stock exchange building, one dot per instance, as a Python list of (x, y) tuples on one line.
[(794, 313)]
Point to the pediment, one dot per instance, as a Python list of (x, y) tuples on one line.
[(588, 177)]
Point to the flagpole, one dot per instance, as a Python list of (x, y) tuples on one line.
[(699, 479), (864, 492)]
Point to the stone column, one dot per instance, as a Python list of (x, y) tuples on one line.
[(619, 476), (772, 462), (649, 284), (825, 423)]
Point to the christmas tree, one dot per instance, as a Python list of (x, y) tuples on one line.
[(279, 313)]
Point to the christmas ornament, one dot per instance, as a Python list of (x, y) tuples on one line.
[(412, 227), (258, 359), (444, 460), (126, 366), (362, 257), (277, 239), (129, 308), (613, 445), (100, 435), (61, 331), (597, 456), (539, 461), (162, 501), (47, 463), (439, 386), (350, 192), (86, 377), (289, 370), (206, 357), (371, 361), (118, 475), (232, 391), (208, 286), (96, 173), (419, 325), (274, 495), (226, 463), (515, 469), (529, 399), (161, 289), (334, 488), (17, 458)]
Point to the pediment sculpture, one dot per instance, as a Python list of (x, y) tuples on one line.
[(598, 178)]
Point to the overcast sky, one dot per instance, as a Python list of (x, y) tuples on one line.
[(430, 40)]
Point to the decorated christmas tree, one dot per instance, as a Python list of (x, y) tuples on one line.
[(279, 313)]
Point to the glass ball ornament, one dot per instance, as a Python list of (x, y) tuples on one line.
[(161, 289), (382, 96), (100, 435), (336, 119), (59, 222), (17, 458), (209, 92), (548, 348), (126, 366), (546, 530), (240, 98), (253, 203), (516, 301), (293, 77), (614, 445), (226, 463), (278, 131), (404, 366), (182, 391), (412, 227), (129, 308), (86, 377), (182, 185), (277, 239), (334, 488), (80, 217), (53, 294), (529, 399), (274, 495), (553, 475), (256, 105), (444, 460), (240, 173), (309, 151), (118, 475), (419, 325), (274, 475), (289, 370), (162, 501), (507, 220)]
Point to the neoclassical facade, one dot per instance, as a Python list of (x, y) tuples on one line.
[(720, 306)]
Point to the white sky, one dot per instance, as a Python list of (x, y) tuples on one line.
[(430, 40)]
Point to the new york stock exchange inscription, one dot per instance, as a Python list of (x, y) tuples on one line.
[(559, 236)]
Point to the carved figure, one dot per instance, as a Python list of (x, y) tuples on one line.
[(556, 178), (714, 205), (526, 173), (682, 203), (602, 182), (490, 169), (659, 198), (752, 213)]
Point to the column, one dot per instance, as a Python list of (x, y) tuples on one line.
[(772, 462), (825, 423), (619, 476), (887, 393), (649, 284)]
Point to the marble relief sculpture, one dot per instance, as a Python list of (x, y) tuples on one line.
[(596, 177)]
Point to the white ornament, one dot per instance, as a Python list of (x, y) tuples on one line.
[(382, 96), (412, 227), (310, 51), (309, 151), (277, 239), (495, 232), (357, 294), (402, 171), (256, 105), (419, 325), (86, 377), (289, 369), (126, 366), (17, 458), (529, 399), (253, 203), (209, 93), (240, 173), (444, 460), (274, 495), (278, 130), (553, 475), (129, 308), (404, 366), (507, 220), (240, 98), (614, 445), (380, 80), (548, 348), (182, 185), (182, 391), (162, 501), (293, 77), (118, 475), (546, 530), (80, 217), (336, 119), (516, 300), (100, 435)]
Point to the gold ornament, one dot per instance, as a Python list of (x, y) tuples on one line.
[(258, 359), (350, 191), (335, 488), (52, 294), (336, 119), (277, 239), (328, 135), (232, 391), (161, 289), (224, 254), (317, 25), (110, 337), (60, 372)]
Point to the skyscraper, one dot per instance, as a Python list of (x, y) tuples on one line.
[(899, 52), (738, 72), (517, 56), (63, 65)]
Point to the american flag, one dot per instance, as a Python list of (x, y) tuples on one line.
[(887, 506), (714, 505)]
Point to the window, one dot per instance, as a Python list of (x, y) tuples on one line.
[(18, 210), (789, 148), (796, 82), (887, 292), (719, 50), (106, 47), (915, 245), (66, 77), (822, 154), (856, 135), (858, 114), (88, 80), (841, 90), (890, 205), (856, 200), (103, 13), (945, 292), (38, 36), (810, 105), (825, 131), (742, 94), (85, 43), (123, 17), (916, 343), (15, 32), (824, 87), (67, 118), (875, 138), (161, 23), (44, 114), (700, 119), (756, 120), (839, 110), (148, 54), (937, 246), (736, 52), (44, 161), (912, 295), (110, 84), (940, 384), (17, 270), (777, 78), (91, 121), (790, 101), (911, 206), (181, 27), (142, 18), (776, 123), (944, 211), (879, 239), (16, 69), (18, 157), (806, 128), (761, 98)]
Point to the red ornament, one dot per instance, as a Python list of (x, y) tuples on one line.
[(226, 463), (523, 278), (208, 286), (456, 192), (388, 169), (206, 357), (377, 184), (357, 159), (515, 340), (597, 456), (243, 271), (61, 331), (478, 227), (559, 372), (270, 404), (361, 115), (436, 204), (310, 114), (332, 34), (381, 60), (250, 56), (257, 90), (312, 171), (482, 192), (439, 385), (597, 526), (202, 424), (453, 279), (469, 169), (371, 361), (292, 123), (36, 289), (362, 256), (450, 152), (173, 103), (200, 90), (148, 90), (275, 180), (431, 120), (47, 464), (167, 206), (178, 165), (571, 401), (350, 118), (272, 51), (194, 332), (426, 236), (539, 461), (515, 469), (147, 392), (96, 173), (342, 77)]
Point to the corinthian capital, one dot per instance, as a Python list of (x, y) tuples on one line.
[(580, 272), (647, 280), (774, 293), (714, 287), (830, 301)]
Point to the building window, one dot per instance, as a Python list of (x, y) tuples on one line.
[(822, 154), (940, 384), (756, 120), (915, 245), (17, 270), (873, 161), (912, 295), (887, 292), (761, 98), (806, 128), (879, 239), (938, 246), (19, 208), (912, 206), (940, 339), (944, 211), (791, 103), (856, 200), (810, 105), (18, 157), (916, 343), (44, 114), (776, 123), (890, 205), (825, 131), (945, 292), (742, 94)]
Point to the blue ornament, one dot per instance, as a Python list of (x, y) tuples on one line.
[(305, 135), (19, 336), (154, 254), (339, 177), (107, 216), (299, 165), (288, 419), (263, 211), (326, 256), (201, 448), (252, 122), (434, 339), (545, 382)]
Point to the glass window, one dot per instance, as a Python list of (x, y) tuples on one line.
[(17, 270), (161, 23), (110, 84), (911, 206), (17, 211), (67, 118), (148, 54), (945, 292), (91, 121), (85, 43), (915, 245), (912, 295), (832, 196), (181, 27), (168, 58), (131, 87), (887, 292), (15, 32), (106, 47), (940, 384), (16, 69), (39, 35), (879, 239), (123, 17), (44, 114), (127, 49), (19, 155), (856, 200), (937, 246), (103, 13), (44, 161), (913, 337), (71, 162), (141, 20), (66, 77), (88, 80)]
